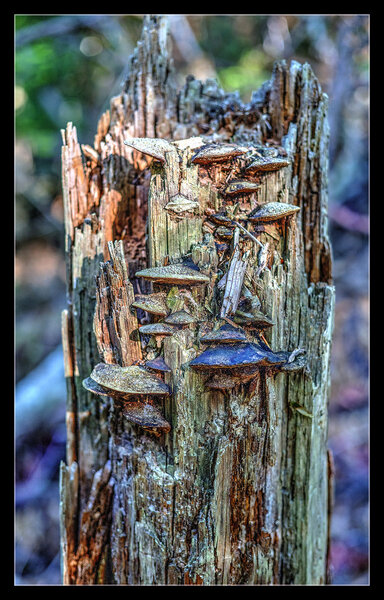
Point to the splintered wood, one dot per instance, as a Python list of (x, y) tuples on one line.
[(235, 278), (233, 489), (115, 327)]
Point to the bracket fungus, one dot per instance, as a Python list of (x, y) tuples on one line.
[(236, 357), (157, 329), (180, 318), (125, 384), (272, 211), (180, 204), (223, 220), (171, 274), (212, 153), (255, 318), (240, 186), (152, 303), (128, 381), (227, 334), (266, 159), (146, 415), (159, 365), (155, 147)]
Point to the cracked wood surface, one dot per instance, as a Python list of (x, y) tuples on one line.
[(237, 491)]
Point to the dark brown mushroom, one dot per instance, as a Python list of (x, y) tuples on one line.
[(213, 153), (240, 186)]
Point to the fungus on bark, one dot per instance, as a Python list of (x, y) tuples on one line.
[(155, 147), (227, 334), (173, 274), (159, 365), (212, 153), (266, 159), (240, 186), (128, 381), (180, 204), (152, 303), (272, 211), (180, 318), (125, 384), (236, 356)]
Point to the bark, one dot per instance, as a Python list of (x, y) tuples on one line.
[(237, 491)]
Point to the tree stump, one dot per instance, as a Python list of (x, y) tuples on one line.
[(217, 210)]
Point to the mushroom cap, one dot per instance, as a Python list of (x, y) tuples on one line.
[(91, 385), (232, 356), (158, 364), (155, 147), (224, 232), (216, 153), (173, 274), (152, 303), (180, 317), (156, 329), (133, 380), (145, 415), (271, 211), (267, 163), (222, 220), (240, 186), (227, 334), (180, 204), (255, 318)]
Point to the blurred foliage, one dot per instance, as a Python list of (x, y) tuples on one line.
[(67, 67)]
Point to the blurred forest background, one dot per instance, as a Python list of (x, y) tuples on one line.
[(67, 67)]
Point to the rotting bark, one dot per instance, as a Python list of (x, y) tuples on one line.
[(237, 491)]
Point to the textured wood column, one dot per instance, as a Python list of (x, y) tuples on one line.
[(237, 491)]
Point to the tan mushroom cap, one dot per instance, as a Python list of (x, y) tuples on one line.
[(180, 317), (156, 329), (179, 274), (152, 303), (133, 380), (155, 147), (272, 211), (180, 204)]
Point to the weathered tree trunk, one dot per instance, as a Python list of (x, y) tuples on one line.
[(237, 491)]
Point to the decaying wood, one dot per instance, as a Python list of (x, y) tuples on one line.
[(237, 491)]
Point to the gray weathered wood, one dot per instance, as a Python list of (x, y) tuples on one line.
[(237, 491)]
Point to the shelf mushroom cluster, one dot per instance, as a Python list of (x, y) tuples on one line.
[(230, 356)]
